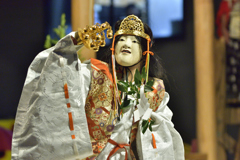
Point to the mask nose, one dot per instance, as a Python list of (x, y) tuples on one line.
[(126, 46), (127, 43)]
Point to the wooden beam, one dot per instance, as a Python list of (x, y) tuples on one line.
[(204, 65)]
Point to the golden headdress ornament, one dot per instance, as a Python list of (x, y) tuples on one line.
[(132, 25)]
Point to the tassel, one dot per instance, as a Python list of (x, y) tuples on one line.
[(147, 58), (154, 141), (116, 94)]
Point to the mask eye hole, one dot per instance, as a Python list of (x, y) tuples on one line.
[(121, 39), (135, 41)]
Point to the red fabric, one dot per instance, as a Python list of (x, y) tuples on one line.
[(73, 136), (70, 121), (68, 105), (224, 8), (105, 110), (103, 67), (118, 146), (154, 141), (66, 91)]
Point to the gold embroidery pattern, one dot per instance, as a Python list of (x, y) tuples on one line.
[(155, 97), (99, 110)]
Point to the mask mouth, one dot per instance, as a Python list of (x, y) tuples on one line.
[(126, 51)]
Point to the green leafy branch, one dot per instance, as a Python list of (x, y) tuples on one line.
[(147, 124), (60, 32), (128, 88)]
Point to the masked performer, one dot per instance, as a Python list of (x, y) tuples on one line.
[(69, 109)]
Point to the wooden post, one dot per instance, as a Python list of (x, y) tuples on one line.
[(204, 65), (83, 15)]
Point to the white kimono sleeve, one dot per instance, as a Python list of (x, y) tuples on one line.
[(49, 125), (168, 141)]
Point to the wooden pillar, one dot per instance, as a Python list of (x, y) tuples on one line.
[(82, 15), (204, 65)]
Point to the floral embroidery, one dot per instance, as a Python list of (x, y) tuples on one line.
[(99, 108), (100, 81), (98, 111), (159, 86), (102, 96), (95, 74), (95, 147), (155, 99), (101, 124), (88, 106), (97, 134), (110, 128)]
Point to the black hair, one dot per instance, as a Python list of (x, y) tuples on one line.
[(155, 65)]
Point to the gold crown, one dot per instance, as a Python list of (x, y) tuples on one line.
[(132, 25)]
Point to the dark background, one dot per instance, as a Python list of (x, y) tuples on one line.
[(24, 25)]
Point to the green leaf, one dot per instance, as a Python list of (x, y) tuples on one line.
[(54, 41), (122, 86), (138, 95), (125, 98), (48, 43), (152, 122), (135, 88), (125, 84), (130, 84), (145, 124), (57, 31), (137, 82), (148, 88), (125, 104), (150, 83), (63, 19), (150, 127), (137, 77), (144, 74), (131, 92), (60, 32)]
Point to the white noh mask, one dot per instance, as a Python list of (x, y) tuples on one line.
[(128, 51)]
